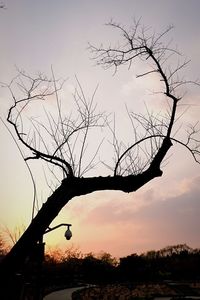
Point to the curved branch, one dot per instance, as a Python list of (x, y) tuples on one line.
[(192, 151), (66, 167), (38, 154), (167, 90), (131, 147)]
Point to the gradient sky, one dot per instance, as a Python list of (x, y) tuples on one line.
[(37, 34)]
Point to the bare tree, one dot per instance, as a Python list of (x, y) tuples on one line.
[(3, 246), (60, 140), (11, 236)]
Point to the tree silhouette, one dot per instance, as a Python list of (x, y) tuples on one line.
[(60, 140)]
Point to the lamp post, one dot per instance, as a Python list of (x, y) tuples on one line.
[(40, 252)]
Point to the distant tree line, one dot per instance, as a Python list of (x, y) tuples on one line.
[(173, 262), (71, 267), (60, 267), (178, 262)]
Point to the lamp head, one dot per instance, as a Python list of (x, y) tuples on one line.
[(68, 234)]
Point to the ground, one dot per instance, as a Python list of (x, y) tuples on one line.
[(142, 291)]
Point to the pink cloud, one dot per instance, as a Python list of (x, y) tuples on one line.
[(126, 223)]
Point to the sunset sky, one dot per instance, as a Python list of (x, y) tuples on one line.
[(40, 33)]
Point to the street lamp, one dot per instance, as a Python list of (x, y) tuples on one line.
[(41, 252), (68, 233)]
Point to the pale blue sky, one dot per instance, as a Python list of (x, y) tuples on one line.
[(36, 34)]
